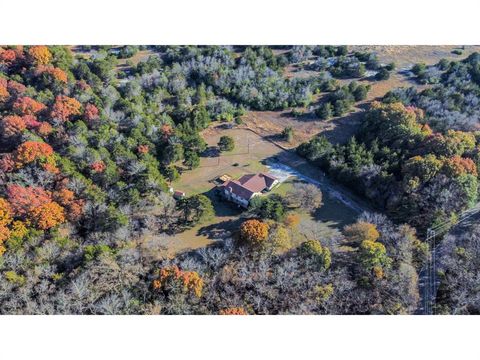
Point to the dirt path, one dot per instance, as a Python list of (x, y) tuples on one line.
[(252, 154)]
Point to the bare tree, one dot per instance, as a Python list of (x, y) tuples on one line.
[(306, 196)]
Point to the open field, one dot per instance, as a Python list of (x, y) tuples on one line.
[(141, 55), (407, 55), (271, 123), (251, 154), (339, 129), (258, 145)]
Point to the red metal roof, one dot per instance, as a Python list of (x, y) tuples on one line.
[(249, 184), (257, 182)]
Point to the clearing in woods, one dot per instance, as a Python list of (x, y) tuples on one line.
[(339, 129), (258, 143), (252, 154)]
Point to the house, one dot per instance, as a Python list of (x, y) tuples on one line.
[(241, 191)]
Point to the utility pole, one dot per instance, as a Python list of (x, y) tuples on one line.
[(430, 281)]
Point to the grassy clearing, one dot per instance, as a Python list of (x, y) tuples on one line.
[(249, 156)]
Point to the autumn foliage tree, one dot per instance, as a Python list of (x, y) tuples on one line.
[(47, 215), (53, 73), (4, 94), (7, 164), (7, 56), (254, 232), (40, 54), (12, 125), (233, 311), (36, 205), (457, 166), (143, 149), (373, 258), (291, 220), (15, 88), (98, 166), (31, 151), (361, 231), (5, 220), (24, 199), (66, 198), (31, 121), (27, 106), (44, 129), (91, 113), (320, 254), (171, 277), (65, 107)]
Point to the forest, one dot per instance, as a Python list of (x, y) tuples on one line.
[(90, 141), (415, 157)]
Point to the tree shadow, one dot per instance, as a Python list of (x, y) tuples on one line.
[(344, 127), (307, 116), (211, 151), (275, 137), (223, 208), (220, 230), (329, 213)]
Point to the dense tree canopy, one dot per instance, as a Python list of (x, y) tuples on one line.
[(88, 150), (417, 175)]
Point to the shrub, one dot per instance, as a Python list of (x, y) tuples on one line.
[(314, 249), (287, 134), (226, 143), (324, 111), (382, 74)]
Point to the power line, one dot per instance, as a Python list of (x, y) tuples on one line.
[(430, 284), (227, 155)]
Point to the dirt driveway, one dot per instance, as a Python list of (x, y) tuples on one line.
[(252, 154)]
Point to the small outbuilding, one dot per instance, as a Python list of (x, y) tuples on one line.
[(178, 194)]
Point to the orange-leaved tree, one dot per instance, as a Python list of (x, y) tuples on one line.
[(4, 94), (171, 276), (12, 125), (40, 54), (54, 72), (5, 220), (143, 149), (361, 231), (48, 215), (35, 205), (291, 220), (24, 199), (27, 106), (65, 107), (254, 232), (233, 311), (31, 151), (457, 166)]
